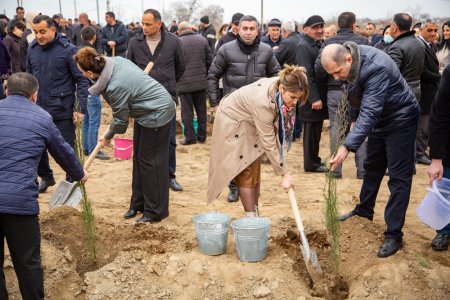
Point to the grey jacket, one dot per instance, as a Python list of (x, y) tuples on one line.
[(132, 94), (239, 69)]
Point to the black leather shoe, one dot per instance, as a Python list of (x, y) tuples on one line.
[(423, 160), (130, 214), (174, 185), (389, 247), (44, 184), (201, 141), (102, 156), (147, 220), (440, 242), (186, 142), (233, 196), (319, 169), (343, 218)]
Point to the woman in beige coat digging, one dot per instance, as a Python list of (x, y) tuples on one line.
[(250, 122)]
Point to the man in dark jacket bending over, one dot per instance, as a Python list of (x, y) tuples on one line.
[(388, 115), (26, 131)]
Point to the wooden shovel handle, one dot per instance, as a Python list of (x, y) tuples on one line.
[(298, 218), (149, 67), (114, 51), (91, 157)]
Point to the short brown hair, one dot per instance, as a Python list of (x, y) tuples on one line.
[(89, 60)]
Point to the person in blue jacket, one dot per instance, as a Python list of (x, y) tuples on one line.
[(49, 59), (26, 131), (388, 116)]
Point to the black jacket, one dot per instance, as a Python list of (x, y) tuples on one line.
[(18, 59), (198, 58), (168, 59), (342, 36), (116, 33), (210, 34), (439, 127), (305, 56), (429, 79), (285, 54), (76, 38), (229, 37), (381, 94), (408, 53), (238, 69)]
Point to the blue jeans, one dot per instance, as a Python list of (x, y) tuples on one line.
[(91, 123), (446, 229)]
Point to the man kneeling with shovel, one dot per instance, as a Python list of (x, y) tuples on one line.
[(26, 131)]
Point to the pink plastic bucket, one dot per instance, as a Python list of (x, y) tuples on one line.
[(123, 148)]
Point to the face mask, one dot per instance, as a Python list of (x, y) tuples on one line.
[(388, 39)]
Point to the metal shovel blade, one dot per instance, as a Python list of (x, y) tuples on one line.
[(66, 193), (310, 256)]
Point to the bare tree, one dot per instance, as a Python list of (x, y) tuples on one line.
[(185, 10), (215, 14)]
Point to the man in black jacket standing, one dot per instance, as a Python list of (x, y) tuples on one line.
[(164, 50), (285, 53), (208, 31), (240, 62), (76, 35), (346, 32), (193, 84), (407, 51), (114, 36), (314, 111), (429, 80)]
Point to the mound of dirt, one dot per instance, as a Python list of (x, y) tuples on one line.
[(162, 261)]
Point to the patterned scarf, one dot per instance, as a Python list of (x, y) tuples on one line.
[(286, 121)]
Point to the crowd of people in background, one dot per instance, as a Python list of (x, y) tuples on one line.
[(395, 76)]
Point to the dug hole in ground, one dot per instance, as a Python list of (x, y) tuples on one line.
[(162, 261)]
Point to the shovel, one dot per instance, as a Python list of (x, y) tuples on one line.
[(69, 193), (310, 256)]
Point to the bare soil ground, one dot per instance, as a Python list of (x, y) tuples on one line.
[(162, 261)]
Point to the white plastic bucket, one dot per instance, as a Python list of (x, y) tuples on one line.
[(434, 210)]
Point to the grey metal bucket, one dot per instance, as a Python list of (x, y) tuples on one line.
[(251, 236), (211, 229)]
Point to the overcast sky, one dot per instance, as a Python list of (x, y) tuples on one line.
[(300, 10)]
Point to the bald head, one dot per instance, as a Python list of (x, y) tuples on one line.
[(184, 26), (83, 18), (336, 60)]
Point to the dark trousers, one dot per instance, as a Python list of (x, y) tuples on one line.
[(150, 183), (67, 129), (394, 150), (422, 135), (311, 142), (173, 148), (189, 101), (23, 236)]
